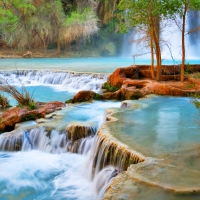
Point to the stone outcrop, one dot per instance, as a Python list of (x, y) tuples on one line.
[(77, 132), (108, 150), (84, 95), (75, 135), (117, 78), (10, 117), (132, 83)]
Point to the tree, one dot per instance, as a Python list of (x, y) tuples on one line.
[(17, 22), (80, 25), (30, 23), (185, 6), (146, 16), (50, 24)]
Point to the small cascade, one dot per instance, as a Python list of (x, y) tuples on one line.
[(102, 180), (85, 145), (11, 143), (106, 152), (40, 139), (79, 138), (69, 81)]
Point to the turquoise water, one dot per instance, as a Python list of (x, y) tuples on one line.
[(36, 175), (162, 125), (45, 94), (97, 65)]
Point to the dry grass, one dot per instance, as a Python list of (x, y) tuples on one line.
[(24, 98), (4, 102), (81, 25)]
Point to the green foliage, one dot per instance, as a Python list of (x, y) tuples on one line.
[(32, 106), (109, 88), (196, 100), (80, 24), (197, 75), (29, 117), (97, 96), (28, 25), (189, 86), (69, 101)]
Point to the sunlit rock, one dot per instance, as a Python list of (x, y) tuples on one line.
[(15, 115), (78, 131)]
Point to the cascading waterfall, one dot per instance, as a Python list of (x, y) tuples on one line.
[(104, 159), (171, 34), (69, 81), (47, 141)]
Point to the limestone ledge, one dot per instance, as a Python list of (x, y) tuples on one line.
[(125, 155), (151, 178)]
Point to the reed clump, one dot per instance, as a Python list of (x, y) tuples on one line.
[(4, 102), (23, 97)]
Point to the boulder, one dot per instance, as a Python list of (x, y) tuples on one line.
[(164, 89), (10, 117), (77, 131), (82, 96), (75, 134), (117, 78)]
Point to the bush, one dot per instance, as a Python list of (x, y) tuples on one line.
[(109, 88), (97, 96)]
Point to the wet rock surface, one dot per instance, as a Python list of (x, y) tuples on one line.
[(78, 131), (12, 116)]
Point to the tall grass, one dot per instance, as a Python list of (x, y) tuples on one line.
[(4, 102), (23, 97)]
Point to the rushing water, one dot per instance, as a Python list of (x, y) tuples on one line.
[(41, 176), (44, 167)]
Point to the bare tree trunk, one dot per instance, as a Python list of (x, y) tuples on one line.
[(155, 39), (183, 42), (152, 56)]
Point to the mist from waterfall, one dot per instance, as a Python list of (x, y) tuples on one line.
[(171, 39)]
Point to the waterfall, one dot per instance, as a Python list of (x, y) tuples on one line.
[(69, 81), (171, 40), (104, 158), (47, 141), (103, 179)]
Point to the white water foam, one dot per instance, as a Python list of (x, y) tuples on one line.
[(60, 80), (40, 176)]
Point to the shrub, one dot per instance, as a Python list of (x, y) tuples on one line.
[(97, 96), (109, 88)]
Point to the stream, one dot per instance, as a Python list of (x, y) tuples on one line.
[(46, 166)]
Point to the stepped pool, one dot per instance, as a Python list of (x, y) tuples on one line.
[(49, 165)]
